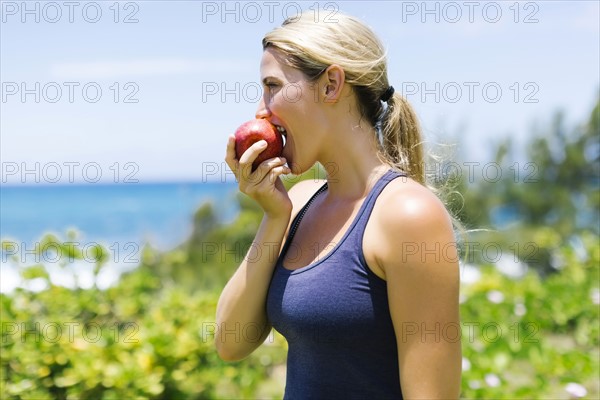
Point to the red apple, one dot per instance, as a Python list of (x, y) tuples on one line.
[(254, 130)]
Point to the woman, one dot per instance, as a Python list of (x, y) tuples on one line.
[(365, 287)]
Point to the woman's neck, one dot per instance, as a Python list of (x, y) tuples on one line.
[(352, 164)]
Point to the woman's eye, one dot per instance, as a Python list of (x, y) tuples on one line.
[(271, 85)]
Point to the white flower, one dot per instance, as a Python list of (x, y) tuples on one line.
[(474, 384), (575, 389), (266, 360), (595, 295), (520, 309), (466, 364), (492, 380), (495, 296), (469, 273)]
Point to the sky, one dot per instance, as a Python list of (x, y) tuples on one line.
[(148, 91)]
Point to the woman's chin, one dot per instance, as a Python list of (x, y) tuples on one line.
[(296, 167), (289, 157)]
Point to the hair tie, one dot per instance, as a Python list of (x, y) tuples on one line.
[(387, 94)]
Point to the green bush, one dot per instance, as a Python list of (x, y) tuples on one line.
[(147, 338), (528, 337), (139, 339)]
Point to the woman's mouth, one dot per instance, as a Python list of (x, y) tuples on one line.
[(284, 135), (283, 132)]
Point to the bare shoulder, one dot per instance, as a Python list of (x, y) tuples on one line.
[(407, 206), (407, 220)]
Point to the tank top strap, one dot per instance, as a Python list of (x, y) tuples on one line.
[(298, 218), (356, 230), (355, 237)]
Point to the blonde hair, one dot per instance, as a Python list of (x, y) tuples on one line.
[(311, 47)]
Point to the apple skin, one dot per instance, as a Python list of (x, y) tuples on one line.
[(251, 132)]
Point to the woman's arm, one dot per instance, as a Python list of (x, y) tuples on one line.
[(241, 317), (417, 253), (242, 323)]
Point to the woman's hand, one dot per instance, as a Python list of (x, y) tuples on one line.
[(264, 184)]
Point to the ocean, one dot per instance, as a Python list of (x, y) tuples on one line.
[(122, 217)]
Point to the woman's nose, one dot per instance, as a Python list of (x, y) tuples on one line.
[(262, 111)]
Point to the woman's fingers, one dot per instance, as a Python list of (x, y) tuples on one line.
[(242, 168), (264, 176), (263, 190), (230, 157), (266, 165), (276, 173), (262, 184), (249, 156)]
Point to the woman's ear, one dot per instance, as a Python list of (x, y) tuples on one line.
[(334, 79)]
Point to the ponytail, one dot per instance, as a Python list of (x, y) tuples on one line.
[(402, 144)]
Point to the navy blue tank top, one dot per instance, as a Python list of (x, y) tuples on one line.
[(334, 314)]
